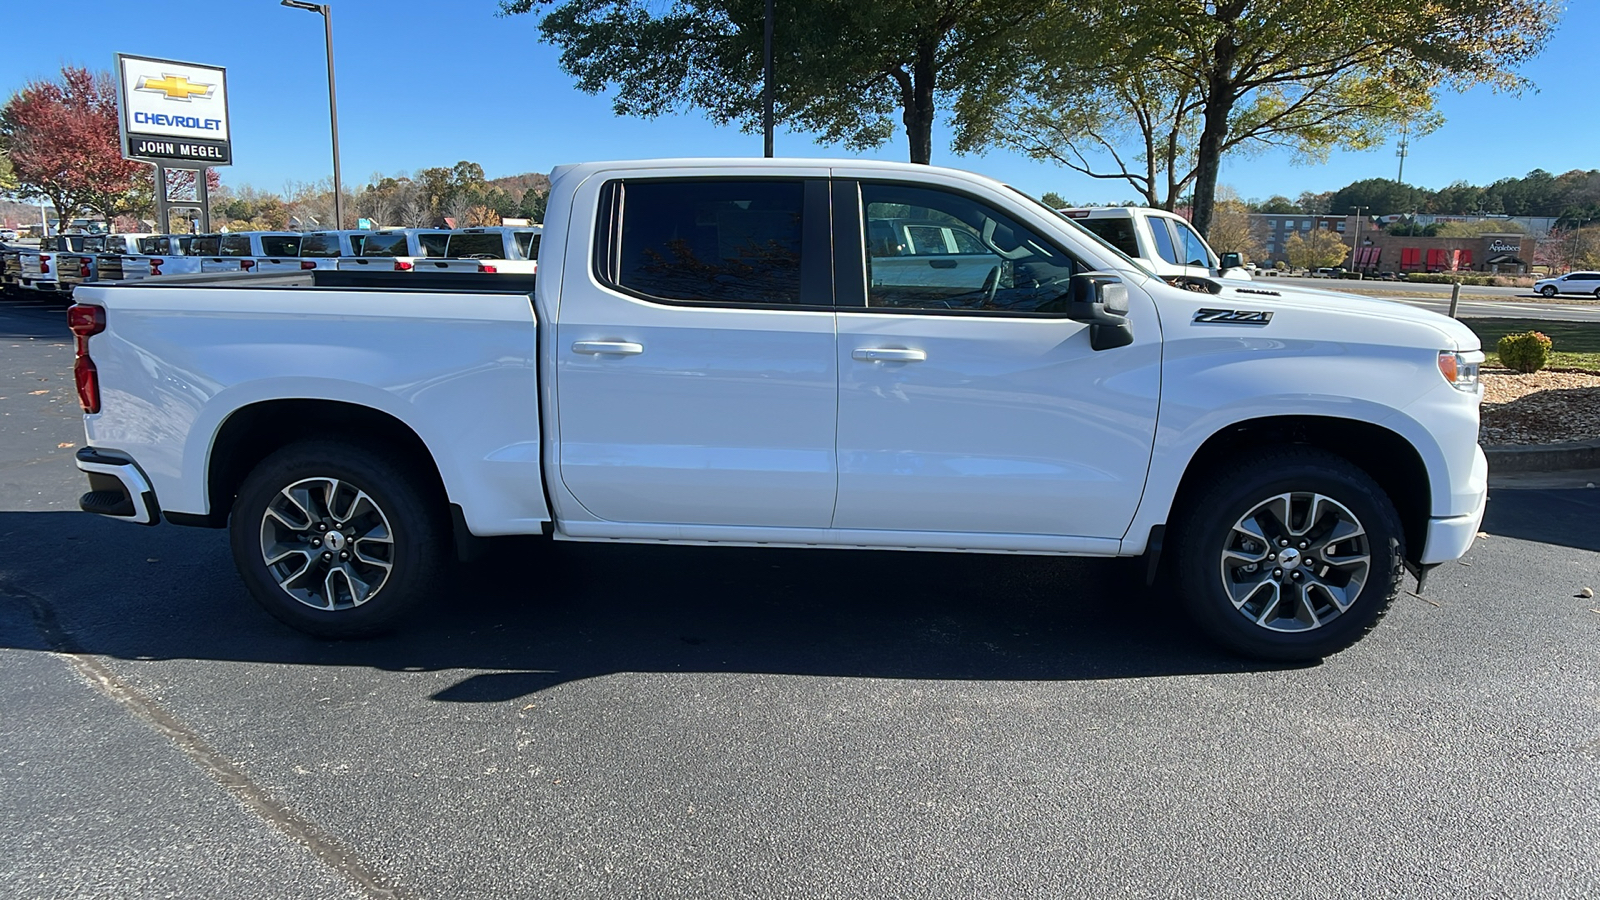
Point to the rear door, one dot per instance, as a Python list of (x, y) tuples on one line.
[(695, 350)]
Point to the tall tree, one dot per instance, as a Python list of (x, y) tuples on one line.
[(845, 69), (62, 139), (1166, 88)]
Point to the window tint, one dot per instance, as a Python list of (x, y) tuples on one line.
[(1163, 238), (280, 245), (476, 246), (728, 241), (528, 244), (235, 245), (1194, 249), (1116, 232), (206, 245), (1017, 270), (433, 243), (385, 245), (319, 245)]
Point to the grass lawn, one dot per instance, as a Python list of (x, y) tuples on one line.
[(1575, 345)]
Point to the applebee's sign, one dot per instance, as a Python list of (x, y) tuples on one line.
[(1499, 246)]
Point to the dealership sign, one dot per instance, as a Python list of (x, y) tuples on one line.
[(173, 112)]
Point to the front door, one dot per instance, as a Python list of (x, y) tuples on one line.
[(975, 405), (695, 353)]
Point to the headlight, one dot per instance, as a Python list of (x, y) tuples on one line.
[(1461, 369)]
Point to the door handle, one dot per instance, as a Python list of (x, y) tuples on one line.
[(888, 354), (613, 348)]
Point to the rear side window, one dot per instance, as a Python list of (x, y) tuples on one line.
[(385, 245), (719, 241), (206, 245), (433, 244), (528, 244), (476, 246), (1163, 238), (1116, 232), (280, 245), (319, 245), (235, 245)]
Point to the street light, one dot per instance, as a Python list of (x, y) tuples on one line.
[(333, 106)]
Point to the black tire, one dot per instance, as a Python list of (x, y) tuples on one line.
[(1548, 290), (1211, 536), (400, 503)]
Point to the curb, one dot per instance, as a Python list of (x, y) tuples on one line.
[(1504, 458)]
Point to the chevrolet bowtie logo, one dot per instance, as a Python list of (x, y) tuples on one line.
[(176, 87)]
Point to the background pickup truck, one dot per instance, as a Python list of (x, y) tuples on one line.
[(495, 250), (705, 359)]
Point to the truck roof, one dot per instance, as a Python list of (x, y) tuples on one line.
[(584, 170)]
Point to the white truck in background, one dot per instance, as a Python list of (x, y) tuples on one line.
[(1165, 242), (397, 249), (499, 249), (705, 358)]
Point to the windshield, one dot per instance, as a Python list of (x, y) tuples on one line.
[(1089, 234)]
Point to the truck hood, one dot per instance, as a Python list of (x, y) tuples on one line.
[(1312, 301)]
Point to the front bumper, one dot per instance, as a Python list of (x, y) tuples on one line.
[(1450, 537), (117, 488)]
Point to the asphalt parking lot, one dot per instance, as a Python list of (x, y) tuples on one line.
[(618, 722)]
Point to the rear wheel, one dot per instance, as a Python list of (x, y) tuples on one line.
[(1290, 555), (336, 540)]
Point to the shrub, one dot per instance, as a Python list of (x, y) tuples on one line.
[(1525, 353)]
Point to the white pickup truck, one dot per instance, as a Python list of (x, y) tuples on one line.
[(498, 249), (1165, 242), (706, 357)]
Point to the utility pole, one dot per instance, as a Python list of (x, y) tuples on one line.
[(1405, 145)]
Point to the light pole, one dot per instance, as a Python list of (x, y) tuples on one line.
[(766, 85), (333, 105)]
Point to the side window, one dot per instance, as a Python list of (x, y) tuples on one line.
[(1015, 270), (1163, 238), (433, 243), (733, 241), (322, 245), (528, 244), (357, 241), (1194, 249), (235, 245)]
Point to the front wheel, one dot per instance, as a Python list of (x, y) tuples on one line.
[(336, 540), (1289, 555), (1548, 290)]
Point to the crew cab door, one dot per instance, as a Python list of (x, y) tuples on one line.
[(695, 366), (983, 410)]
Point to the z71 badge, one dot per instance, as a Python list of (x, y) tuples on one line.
[(1233, 316)]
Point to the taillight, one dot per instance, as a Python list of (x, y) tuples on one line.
[(44, 264), (247, 264), (307, 264), (485, 267), (85, 320), (401, 265), (155, 267)]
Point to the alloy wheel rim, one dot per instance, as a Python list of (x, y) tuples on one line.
[(327, 543), (1295, 562)]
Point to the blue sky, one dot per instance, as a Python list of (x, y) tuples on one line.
[(429, 83)]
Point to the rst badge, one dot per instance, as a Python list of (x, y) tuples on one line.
[(1233, 316)]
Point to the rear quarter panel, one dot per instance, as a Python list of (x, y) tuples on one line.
[(458, 369)]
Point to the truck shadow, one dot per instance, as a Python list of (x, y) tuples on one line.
[(535, 616)]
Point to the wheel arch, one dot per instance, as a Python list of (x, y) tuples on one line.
[(1387, 456), (251, 433)]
